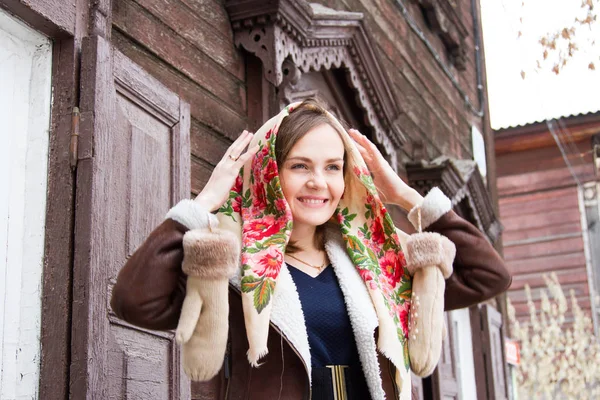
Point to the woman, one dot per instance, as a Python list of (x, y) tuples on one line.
[(322, 305)]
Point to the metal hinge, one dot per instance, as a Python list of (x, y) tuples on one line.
[(74, 146)]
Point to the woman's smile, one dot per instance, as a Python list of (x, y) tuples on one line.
[(312, 201)]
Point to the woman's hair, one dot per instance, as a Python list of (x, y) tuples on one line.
[(302, 119)]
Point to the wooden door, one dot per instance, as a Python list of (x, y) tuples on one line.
[(133, 166), (488, 352), (493, 346), (443, 382)]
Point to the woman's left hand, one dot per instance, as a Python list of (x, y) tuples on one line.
[(391, 187)]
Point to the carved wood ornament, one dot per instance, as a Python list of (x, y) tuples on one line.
[(292, 37), (444, 21), (461, 181)]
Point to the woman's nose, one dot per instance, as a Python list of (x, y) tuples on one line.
[(316, 181)]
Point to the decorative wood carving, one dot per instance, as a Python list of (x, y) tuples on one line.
[(461, 181), (447, 24), (292, 37)]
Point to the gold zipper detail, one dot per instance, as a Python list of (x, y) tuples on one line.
[(288, 342)]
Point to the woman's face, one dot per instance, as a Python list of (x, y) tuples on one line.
[(312, 176)]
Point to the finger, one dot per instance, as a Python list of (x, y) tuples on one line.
[(239, 144), (364, 153), (247, 155), (362, 140)]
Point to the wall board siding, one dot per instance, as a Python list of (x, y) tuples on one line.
[(213, 13), (539, 209), (424, 93), (552, 247), (196, 29), (543, 180), (547, 263), (541, 159), (184, 56), (557, 199), (541, 219), (204, 106)]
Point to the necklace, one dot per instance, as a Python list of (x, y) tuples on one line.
[(317, 267)]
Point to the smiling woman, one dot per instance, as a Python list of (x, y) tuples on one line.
[(310, 157), (321, 297)]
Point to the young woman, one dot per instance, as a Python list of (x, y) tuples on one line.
[(322, 297)]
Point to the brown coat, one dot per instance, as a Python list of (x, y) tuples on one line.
[(151, 287)]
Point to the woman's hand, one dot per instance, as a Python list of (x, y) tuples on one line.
[(216, 190), (391, 187)]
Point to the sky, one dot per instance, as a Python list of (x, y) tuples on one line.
[(542, 94)]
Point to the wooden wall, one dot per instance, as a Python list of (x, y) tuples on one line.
[(188, 46), (432, 108), (539, 209)]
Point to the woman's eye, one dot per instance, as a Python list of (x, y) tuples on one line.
[(334, 167), (299, 166)]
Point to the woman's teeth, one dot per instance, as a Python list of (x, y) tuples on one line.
[(311, 201)]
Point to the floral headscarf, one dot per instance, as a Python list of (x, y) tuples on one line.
[(257, 210)]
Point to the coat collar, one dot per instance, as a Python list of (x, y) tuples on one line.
[(288, 317)]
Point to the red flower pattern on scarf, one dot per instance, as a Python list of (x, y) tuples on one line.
[(261, 228), (268, 263), (391, 266)]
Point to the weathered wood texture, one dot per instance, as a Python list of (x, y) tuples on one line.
[(55, 18), (539, 209), (139, 131), (432, 108), (188, 46)]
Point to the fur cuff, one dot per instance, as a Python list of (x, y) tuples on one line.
[(429, 248), (434, 205), (210, 255), (191, 214)]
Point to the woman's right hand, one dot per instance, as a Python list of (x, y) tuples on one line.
[(222, 179)]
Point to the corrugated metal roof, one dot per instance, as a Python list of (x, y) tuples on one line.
[(563, 117)]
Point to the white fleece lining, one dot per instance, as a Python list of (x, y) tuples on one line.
[(434, 205), (191, 214), (360, 310), (288, 317)]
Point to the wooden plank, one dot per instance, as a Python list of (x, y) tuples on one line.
[(541, 201), (542, 219), (136, 80), (543, 180), (162, 42), (198, 31), (518, 296), (200, 174), (545, 264), (54, 18), (569, 276), (203, 106), (213, 12), (207, 144), (511, 236), (541, 159), (562, 246), (56, 288)]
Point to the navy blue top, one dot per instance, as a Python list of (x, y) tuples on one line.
[(330, 335)]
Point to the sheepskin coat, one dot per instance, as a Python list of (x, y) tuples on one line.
[(151, 287)]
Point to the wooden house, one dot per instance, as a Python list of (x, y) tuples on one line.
[(117, 109), (548, 174)]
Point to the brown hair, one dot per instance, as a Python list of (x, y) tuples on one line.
[(306, 116)]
